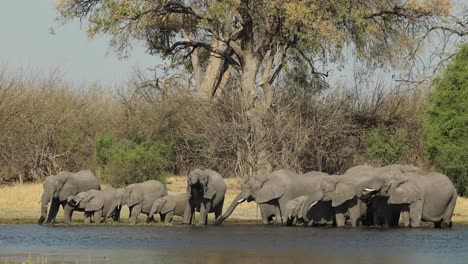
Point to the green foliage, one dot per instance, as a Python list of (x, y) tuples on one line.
[(445, 129), (386, 145), (124, 162)]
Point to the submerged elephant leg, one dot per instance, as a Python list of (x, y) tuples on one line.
[(134, 213)]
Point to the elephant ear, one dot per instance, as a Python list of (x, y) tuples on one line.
[(269, 190), (168, 205), (342, 193), (134, 198), (67, 191), (209, 191), (95, 203), (405, 193)]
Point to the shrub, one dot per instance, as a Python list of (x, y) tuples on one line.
[(124, 162), (445, 129), (386, 145)]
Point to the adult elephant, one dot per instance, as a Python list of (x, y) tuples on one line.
[(58, 188), (205, 191), (427, 198), (139, 198), (372, 209), (97, 204), (276, 189)]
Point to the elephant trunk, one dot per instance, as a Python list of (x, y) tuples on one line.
[(45, 200), (242, 197)]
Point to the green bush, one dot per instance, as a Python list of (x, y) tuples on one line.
[(445, 128), (386, 145), (125, 162)]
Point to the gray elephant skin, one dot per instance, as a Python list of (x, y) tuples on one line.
[(97, 204), (205, 192), (170, 205), (372, 209), (140, 197), (421, 198), (58, 188), (276, 189)]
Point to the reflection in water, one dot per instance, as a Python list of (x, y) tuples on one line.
[(230, 244)]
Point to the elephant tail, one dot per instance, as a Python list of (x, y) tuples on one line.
[(447, 217)]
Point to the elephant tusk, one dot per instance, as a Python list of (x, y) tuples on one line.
[(241, 200), (313, 204), (369, 190)]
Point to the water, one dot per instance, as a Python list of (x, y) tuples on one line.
[(231, 244)]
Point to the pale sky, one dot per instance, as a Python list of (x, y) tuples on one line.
[(26, 43)]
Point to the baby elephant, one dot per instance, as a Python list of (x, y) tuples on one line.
[(296, 210), (96, 204), (169, 206)]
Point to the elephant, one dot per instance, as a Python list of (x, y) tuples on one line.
[(139, 197), (372, 209), (205, 191), (169, 206), (268, 212), (297, 210), (57, 189), (97, 204), (276, 189), (421, 198)]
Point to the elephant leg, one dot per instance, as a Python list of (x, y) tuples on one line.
[(134, 213), (219, 209), (189, 212), (278, 218), (405, 218), (204, 210), (168, 217), (150, 219), (87, 217), (54, 208), (415, 212), (98, 216), (340, 219), (68, 211), (354, 215), (116, 216), (162, 217)]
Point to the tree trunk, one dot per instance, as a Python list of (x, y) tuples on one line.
[(215, 63), (255, 113)]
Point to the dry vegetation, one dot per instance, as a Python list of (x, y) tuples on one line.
[(19, 203)]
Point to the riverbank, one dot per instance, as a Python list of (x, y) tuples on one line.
[(19, 204)]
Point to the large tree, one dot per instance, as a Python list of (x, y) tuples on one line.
[(257, 39)]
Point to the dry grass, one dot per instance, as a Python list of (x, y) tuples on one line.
[(19, 203)]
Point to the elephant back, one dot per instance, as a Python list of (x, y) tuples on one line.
[(150, 190), (74, 183)]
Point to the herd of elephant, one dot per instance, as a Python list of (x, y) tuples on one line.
[(364, 195)]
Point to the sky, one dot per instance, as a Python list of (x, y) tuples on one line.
[(26, 43)]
